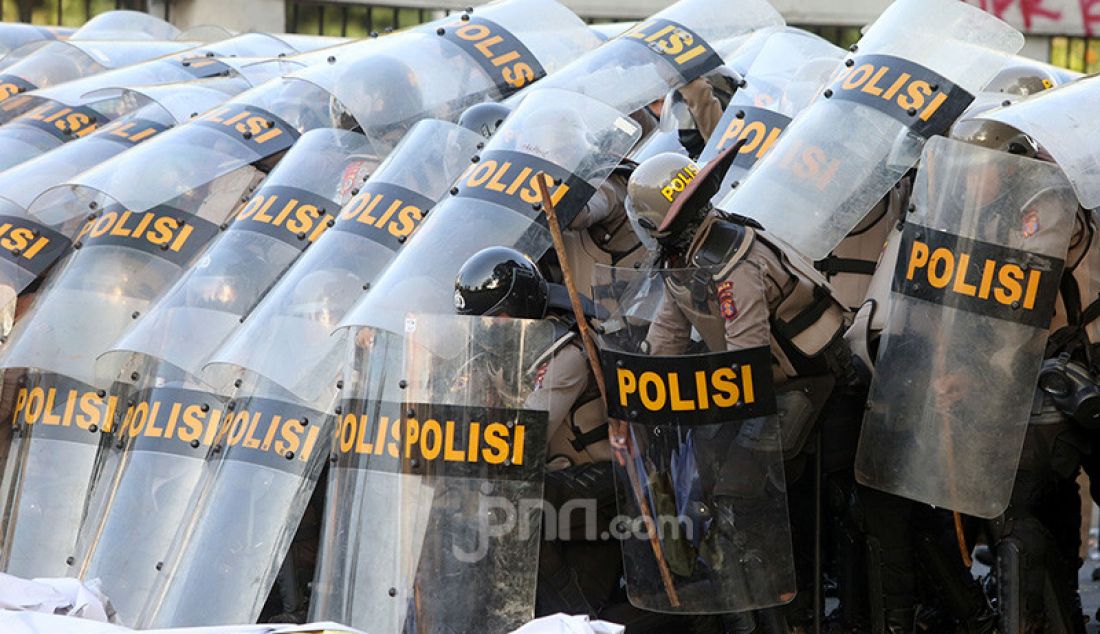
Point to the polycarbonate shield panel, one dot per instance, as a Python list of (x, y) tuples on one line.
[(1057, 122), (58, 425), (973, 293), (304, 43), (436, 487), (671, 48), (261, 472), (916, 69), (45, 64), (790, 70), (145, 482), (127, 259), (125, 25), (700, 477), (13, 35), (311, 298), (438, 70), (288, 213), (572, 139)]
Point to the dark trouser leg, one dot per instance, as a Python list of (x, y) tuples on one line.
[(891, 560)]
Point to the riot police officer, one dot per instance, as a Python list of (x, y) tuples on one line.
[(575, 575), (745, 290)]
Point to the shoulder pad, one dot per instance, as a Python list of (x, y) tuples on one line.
[(725, 244)]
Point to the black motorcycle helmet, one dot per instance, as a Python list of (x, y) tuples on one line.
[(484, 118), (501, 281)]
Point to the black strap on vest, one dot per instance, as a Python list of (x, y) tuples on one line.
[(832, 265), (584, 439)]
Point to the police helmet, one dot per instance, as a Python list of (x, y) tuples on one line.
[(995, 136), (501, 281), (653, 188), (382, 92), (484, 118), (1022, 79)]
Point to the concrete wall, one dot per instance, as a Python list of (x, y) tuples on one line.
[(238, 15)]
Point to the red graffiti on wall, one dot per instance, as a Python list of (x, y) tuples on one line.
[(1029, 9)]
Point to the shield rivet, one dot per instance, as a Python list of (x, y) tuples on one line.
[(849, 63), (194, 444), (402, 384), (331, 59), (740, 114), (338, 410), (912, 112), (93, 428), (134, 376), (440, 31), (393, 592), (217, 449), (1015, 305), (204, 407), (69, 560), (411, 413), (101, 393), (454, 191), (828, 93), (160, 565), (340, 384), (135, 314), (619, 363), (231, 405), (237, 383), (290, 455), (332, 458)]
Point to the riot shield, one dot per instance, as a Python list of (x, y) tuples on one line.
[(671, 48), (143, 217), (973, 293), (300, 310), (700, 481), (157, 467), (307, 303), (784, 77), (125, 25), (58, 62), (437, 430), (913, 72), (13, 35), (441, 68), (573, 139), (1058, 119), (31, 246)]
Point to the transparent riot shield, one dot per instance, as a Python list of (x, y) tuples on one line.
[(574, 140), (674, 46), (31, 246), (125, 25), (438, 430), (261, 471), (58, 62), (13, 35), (288, 213), (913, 72), (700, 481), (143, 217), (786, 74), (1057, 121), (166, 348), (311, 298), (973, 292), (441, 68)]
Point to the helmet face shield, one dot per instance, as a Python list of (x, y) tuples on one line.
[(652, 191)]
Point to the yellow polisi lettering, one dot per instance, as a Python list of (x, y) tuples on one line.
[(698, 391), (679, 182), (962, 273)]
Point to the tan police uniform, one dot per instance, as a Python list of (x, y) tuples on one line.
[(601, 233), (772, 297), (577, 430), (852, 263)]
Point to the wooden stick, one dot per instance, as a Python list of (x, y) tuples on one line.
[(597, 370)]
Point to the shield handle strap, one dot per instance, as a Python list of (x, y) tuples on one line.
[(597, 370)]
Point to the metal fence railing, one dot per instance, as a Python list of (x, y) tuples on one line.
[(347, 19)]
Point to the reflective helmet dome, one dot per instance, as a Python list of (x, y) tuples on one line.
[(500, 281)]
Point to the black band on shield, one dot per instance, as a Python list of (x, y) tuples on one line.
[(701, 389), (688, 53), (384, 213), (274, 434), (163, 231), (62, 122), (508, 179), (759, 127), (31, 246), (977, 277), (918, 97), (203, 67), (131, 131), (260, 132), (497, 51), (56, 407), (10, 85), (289, 214), (440, 440), (172, 420)]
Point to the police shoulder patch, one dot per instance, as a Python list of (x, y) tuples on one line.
[(726, 302)]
